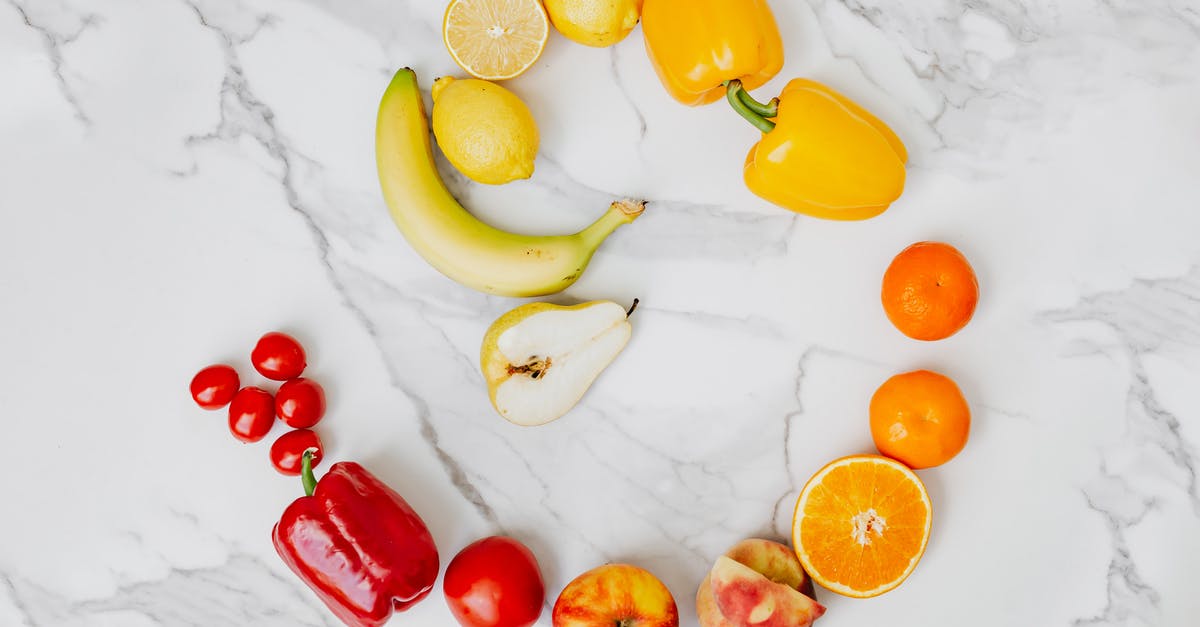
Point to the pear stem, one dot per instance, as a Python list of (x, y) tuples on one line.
[(632, 307)]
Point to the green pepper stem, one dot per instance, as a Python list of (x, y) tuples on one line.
[(768, 110), (306, 472), (733, 91)]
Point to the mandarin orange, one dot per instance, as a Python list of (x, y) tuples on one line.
[(930, 291), (920, 418)]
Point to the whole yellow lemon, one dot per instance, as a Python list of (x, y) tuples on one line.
[(484, 130), (596, 23)]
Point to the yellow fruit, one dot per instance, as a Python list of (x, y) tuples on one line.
[(484, 129), (447, 235), (495, 39), (596, 23)]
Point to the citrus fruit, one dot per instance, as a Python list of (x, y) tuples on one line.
[(929, 291), (596, 23), (484, 130), (495, 39), (920, 418), (861, 525)]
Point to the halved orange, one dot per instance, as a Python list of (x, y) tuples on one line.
[(861, 525), (495, 39)]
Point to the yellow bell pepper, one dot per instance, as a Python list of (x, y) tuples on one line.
[(821, 154), (698, 45)]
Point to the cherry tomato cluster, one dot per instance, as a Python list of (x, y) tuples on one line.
[(299, 402)]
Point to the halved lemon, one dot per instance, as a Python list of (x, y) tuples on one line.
[(495, 39), (861, 525)]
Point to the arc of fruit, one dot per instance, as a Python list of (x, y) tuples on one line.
[(452, 240)]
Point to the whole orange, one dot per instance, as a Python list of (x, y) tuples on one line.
[(920, 418), (930, 291)]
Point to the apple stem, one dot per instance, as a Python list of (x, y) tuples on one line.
[(632, 307)]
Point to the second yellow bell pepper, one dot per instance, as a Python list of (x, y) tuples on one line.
[(696, 46), (821, 154)]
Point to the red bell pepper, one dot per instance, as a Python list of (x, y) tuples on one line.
[(357, 544)]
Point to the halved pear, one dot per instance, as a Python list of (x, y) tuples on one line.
[(540, 358)]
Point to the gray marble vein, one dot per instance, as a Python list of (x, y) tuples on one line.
[(58, 29), (241, 591), (1159, 316)]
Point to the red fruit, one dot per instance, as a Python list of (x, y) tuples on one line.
[(251, 414), (300, 403), (278, 356), (288, 448), (494, 582), (214, 387)]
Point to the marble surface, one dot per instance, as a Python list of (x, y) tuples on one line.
[(181, 176)]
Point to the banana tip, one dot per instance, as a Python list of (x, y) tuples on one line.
[(630, 207)]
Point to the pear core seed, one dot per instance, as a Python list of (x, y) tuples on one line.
[(535, 368)]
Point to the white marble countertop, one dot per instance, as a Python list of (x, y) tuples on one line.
[(181, 176)]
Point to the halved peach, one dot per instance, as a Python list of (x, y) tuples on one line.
[(757, 583)]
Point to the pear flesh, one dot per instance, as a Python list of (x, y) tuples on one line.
[(540, 359)]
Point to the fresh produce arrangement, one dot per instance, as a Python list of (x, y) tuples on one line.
[(299, 402), (861, 523), (451, 239)]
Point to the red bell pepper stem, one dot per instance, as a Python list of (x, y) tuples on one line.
[(306, 472), (755, 114)]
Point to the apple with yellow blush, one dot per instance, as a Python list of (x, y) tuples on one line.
[(616, 595)]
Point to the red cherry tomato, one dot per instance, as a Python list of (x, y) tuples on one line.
[(278, 356), (214, 387), (288, 448), (494, 582), (300, 403), (251, 414)]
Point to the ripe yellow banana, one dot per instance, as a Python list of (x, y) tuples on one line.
[(447, 235)]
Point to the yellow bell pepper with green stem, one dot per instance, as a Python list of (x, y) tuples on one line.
[(821, 154), (696, 46)]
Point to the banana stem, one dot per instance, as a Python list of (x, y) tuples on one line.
[(619, 213)]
